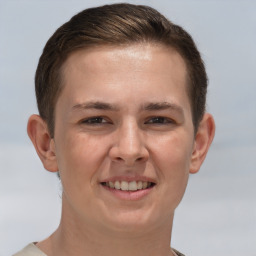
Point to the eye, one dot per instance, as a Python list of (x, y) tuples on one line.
[(160, 120), (95, 120)]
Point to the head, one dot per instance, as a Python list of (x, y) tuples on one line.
[(121, 94), (116, 25)]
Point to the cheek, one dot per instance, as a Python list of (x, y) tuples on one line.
[(172, 159), (79, 159), (173, 153)]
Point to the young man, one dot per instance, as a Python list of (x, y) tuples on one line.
[(121, 96)]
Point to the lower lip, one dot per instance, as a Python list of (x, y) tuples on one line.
[(129, 195)]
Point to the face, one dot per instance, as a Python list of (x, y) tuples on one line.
[(123, 136)]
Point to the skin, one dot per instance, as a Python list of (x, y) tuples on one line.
[(143, 128)]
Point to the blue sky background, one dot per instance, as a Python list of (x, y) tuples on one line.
[(218, 213)]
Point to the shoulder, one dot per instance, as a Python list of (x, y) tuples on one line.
[(30, 250), (178, 253)]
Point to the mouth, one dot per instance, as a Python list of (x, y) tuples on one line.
[(130, 186)]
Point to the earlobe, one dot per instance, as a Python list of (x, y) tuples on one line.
[(38, 133), (203, 140)]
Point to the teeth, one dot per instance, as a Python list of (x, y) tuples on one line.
[(117, 185), (144, 184), (133, 186), (139, 185), (124, 185), (111, 184), (128, 186)]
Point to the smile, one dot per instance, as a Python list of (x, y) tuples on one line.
[(128, 186)]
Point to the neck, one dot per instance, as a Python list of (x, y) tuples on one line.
[(74, 237)]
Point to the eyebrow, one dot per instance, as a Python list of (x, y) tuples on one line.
[(151, 106), (162, 106), (95, 105)]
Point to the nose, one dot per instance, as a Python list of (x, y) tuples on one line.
[(129, 145)]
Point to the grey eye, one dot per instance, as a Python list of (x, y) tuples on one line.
[(159, 120), (95, 120)]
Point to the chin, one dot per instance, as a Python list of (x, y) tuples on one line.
[(133, 221)]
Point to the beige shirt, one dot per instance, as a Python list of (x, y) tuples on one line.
[(30, 250), (33, 250)]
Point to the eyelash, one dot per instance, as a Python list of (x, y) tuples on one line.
[(98, 120), (160, 120)]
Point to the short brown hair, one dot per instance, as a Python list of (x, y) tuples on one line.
[(116, 24)]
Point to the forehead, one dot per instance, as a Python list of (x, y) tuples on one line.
[(112, 69), (134, 57)]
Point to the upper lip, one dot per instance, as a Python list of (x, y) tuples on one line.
[(128, 179)]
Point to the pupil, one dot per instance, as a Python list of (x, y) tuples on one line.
[(159, 120), (96, 120)]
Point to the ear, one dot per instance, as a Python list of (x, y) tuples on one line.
[(45, 147), (203, 140)]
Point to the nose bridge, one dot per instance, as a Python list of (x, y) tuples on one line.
[(129, 145), (130, 137)]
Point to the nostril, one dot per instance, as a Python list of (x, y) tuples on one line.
[(128, 157), (139, 159)]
